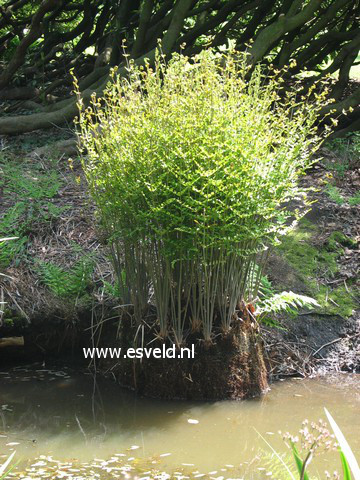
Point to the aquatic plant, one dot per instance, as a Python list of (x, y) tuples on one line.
[(348, 459), (192, 166), (313, 438)]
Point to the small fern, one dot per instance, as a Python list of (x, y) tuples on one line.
[(12, 250), (64, 283), (271, 302), (266, 288), (334, 194), (117, 289), (288, 302), (34, 190), (355, 200), (54, 277)]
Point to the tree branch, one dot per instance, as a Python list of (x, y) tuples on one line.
[(271, 34)]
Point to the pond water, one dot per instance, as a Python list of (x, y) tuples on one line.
[(72, 415)]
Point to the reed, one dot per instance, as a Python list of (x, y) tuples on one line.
[(192, 165)]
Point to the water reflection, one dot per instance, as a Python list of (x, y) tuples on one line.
[(71, 415)]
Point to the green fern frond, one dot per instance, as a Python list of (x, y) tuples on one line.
[(64, 283), (285, 301)]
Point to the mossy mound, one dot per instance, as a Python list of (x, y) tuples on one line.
[(317, 265)]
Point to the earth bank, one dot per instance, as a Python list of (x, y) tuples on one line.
[(62, 247)]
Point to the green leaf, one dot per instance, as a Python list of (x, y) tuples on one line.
[(345, 447), (345, 466), (299, 463)]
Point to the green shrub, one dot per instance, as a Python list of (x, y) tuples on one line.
[(191, 167)]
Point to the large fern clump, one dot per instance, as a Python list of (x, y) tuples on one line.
[(192, 165)]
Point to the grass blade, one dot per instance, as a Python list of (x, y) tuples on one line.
[(4, 466), (345, 447)]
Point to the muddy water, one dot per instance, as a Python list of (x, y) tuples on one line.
[(57, 412)]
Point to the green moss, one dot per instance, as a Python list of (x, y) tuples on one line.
[(337, 240), (305, 258), (327, 264), (311, 262), (337, 301)]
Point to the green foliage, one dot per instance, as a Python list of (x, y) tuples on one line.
[(34, 184), (300, 464), (114, 290), (190, 175), (337, 240), (271, 302), (33, 189), (355, 200), (334, 194), (285, 301), (309, 262), (11, 251), (63, 282), (66, 283), (345, 466), (348, 152), (266, 289)]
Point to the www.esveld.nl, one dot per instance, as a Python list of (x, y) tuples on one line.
[(140, 352)]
